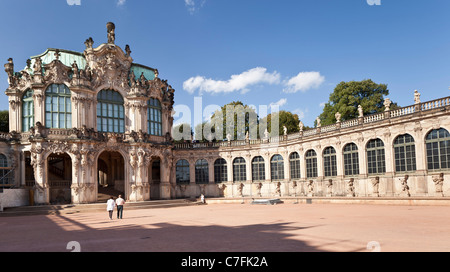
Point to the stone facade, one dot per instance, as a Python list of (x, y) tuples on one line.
[(80, 122)]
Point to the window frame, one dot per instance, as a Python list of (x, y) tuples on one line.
[(351, 160), (110, 109), (53, 98), (376, 157)]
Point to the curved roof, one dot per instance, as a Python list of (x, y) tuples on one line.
[(68, 57)]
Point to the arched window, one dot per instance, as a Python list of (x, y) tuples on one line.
[(154, 117), (311, 164), (438, 149), (182, 172), (27, 111), (329, 162), (110, 112), (201, 172), (351, 160), (376, 161), (239, 169), (58, 107), (405, 153), (294, 161), (277, 167), (220, 171), (258, 169)]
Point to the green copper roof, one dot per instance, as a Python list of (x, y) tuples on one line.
[(68, 57), (139, 69)]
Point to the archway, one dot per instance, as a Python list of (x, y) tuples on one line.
[(111, 175), (59, 174)]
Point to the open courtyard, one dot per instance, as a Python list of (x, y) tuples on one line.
[(236, 228)]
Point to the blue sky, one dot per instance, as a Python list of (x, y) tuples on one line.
[(287, 52)]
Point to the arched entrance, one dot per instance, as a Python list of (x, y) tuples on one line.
[(59, 169), (155, 178), (111, 175)]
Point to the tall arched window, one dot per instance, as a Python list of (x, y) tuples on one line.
[(258, 169), (110, 112), (329, 162), (311, 164), (294, 161), (27, 111), (351, 160), (376, 161), (438, 149), (239, 169), (405, 153), (58, 107), (201, 172), (154, 117), (220, 171), (277, 167), (6, 177), (182, 172)]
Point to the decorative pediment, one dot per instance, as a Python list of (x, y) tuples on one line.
[(56, 72), (109, 64)]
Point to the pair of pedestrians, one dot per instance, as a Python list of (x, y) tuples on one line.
[(110, 204)]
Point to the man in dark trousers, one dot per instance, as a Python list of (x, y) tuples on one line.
[(119, 203)]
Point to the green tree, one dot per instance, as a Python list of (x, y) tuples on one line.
[(348, 95), (4, 121), (182, 133), (245, 119), (286, 118)]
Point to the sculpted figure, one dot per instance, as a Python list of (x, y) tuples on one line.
[(405, 187), (439, 183), (111, 32)]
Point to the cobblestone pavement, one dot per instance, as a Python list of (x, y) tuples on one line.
[(236, 228)]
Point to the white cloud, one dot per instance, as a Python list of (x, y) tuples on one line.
[(301, 113), (279, 103), (193, 6), (322, 105), (121, 2), (240, 82), (304, 81)]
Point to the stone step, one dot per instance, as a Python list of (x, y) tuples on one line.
[(97, 207)]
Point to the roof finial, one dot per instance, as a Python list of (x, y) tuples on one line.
[(111, 32)]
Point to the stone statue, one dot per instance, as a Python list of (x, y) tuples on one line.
[(285, 130), (405, 187), (338, 117), (360, 111), (9, 69), (111, 32), (311, 188), (416, 97), (241, 189), (351, 188), (89, 43), (330, 188), (318, 122), (229, 137), (278, 189), (266, 134), (387, 104), (376, 185), (258, 189), (37, 67), (439, 183), (301, 126), (127, 50), (75, 69)]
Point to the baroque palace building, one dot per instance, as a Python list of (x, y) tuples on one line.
[(84, 124)]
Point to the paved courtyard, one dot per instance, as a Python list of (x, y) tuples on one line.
[(237, 227)]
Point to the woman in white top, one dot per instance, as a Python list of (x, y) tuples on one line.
[(110, 207)]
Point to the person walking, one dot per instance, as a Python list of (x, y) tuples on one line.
[(110, 206), (120, 202)]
